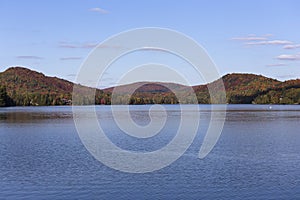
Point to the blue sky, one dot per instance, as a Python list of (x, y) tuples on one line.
[(54, 37)]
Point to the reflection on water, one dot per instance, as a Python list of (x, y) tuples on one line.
[(33, 114), (257, 156)]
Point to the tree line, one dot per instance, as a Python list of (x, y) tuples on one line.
[(282, 96)]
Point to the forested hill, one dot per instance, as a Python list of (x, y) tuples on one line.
[(26, 87), (240, 89), (250, 88), (23, 87)]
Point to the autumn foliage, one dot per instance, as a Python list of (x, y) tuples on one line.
[(23, 87)]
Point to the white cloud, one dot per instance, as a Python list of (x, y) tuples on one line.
[(71, 58), (30, 57), (89, 45), (276, 65), (270, 42), (252, 37), (268, 35), (67, 45), (292, 46), (99, 10), (289, 56), (249, 38)]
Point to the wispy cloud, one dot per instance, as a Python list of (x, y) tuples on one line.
[(249, 38), (30, 57), (289, 56), (87, 45), (252, 37), (111, 47), (292, 46), (276, 65), (270, 42), (268, 35), (70, 58), (68, 46), (99, 10), (264, 40)]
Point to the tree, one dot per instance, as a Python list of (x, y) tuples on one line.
[(4, 99)]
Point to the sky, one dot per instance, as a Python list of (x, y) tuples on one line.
[(55, 37)]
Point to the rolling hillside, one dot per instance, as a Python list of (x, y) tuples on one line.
[(23, 87)]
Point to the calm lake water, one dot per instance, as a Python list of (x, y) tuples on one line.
[(256, 157)]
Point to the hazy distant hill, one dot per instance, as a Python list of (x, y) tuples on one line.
[(145, 87), (23, 87)]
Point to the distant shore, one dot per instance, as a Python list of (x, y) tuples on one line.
[(23, 87)]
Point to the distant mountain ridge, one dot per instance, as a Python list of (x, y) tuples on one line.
[(24, 87)]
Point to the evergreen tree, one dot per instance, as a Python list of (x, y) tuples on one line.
[(4, 99)]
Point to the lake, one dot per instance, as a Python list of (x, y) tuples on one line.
[(256, 157)]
